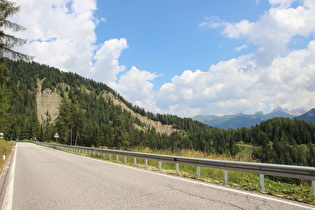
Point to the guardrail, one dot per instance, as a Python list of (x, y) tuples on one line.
[(300, 172)]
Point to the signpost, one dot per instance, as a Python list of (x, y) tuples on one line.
[(56, 135)]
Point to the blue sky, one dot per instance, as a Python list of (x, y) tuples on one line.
[(166, 37), (183, 57)]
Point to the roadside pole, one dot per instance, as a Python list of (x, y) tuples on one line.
[(56, 136)]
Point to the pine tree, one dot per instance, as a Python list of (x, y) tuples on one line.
[(4, 94), (7, 41)]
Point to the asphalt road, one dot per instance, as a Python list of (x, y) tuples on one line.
[(43, 178)]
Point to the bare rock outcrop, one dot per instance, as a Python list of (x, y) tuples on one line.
[(48, 103)]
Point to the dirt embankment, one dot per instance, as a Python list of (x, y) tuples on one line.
[(159, 127)]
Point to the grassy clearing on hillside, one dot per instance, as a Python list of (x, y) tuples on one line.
[(5, 146)]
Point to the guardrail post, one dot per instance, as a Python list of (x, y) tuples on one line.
[(160, 165), (125, 159), (110, 156), (177, 168), (135, 161), (4, 155), (104, 155), (262, 182), (198, 172), (117, 158), (313, 186), (146, 163), (226, 175)]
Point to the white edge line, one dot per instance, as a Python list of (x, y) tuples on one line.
[(8, 200), (253, 194)]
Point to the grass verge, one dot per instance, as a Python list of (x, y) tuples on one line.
[(5, 147)]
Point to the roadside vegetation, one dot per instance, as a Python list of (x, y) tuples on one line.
[(5, 148)]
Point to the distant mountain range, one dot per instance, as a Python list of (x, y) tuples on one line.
[(308, 116), (243, 120)]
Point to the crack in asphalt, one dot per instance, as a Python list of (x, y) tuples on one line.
[(264, 202), (202, 197)]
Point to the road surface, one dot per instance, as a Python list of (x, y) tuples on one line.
[(44, 178)]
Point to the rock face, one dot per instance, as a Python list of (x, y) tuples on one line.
[(48, 103)]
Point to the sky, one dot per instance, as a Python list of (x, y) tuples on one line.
[(182, 57)]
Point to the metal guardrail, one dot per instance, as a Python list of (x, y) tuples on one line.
[(291, 171)]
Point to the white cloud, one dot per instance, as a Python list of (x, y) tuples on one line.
[(281, 3), (241, 47), (217, 91), (107, 66), (135, 85), (61, 32), (273, 31), (212, 22)]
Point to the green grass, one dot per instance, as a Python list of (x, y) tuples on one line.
[(5, 146)]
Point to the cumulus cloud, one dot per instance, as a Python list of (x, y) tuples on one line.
[(135, 85), (241, 47), (106, 65), (220, 90), (273, 31), (281, 3), (61, 32)]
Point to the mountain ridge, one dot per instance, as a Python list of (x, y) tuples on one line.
[(308, 116), (239, 120)]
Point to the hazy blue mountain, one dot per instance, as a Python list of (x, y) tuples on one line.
[(308, 116), (239, 120)]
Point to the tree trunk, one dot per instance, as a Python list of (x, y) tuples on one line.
[(76, 138), (71, 136)]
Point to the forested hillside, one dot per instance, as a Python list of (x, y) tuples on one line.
[(87, 116)]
